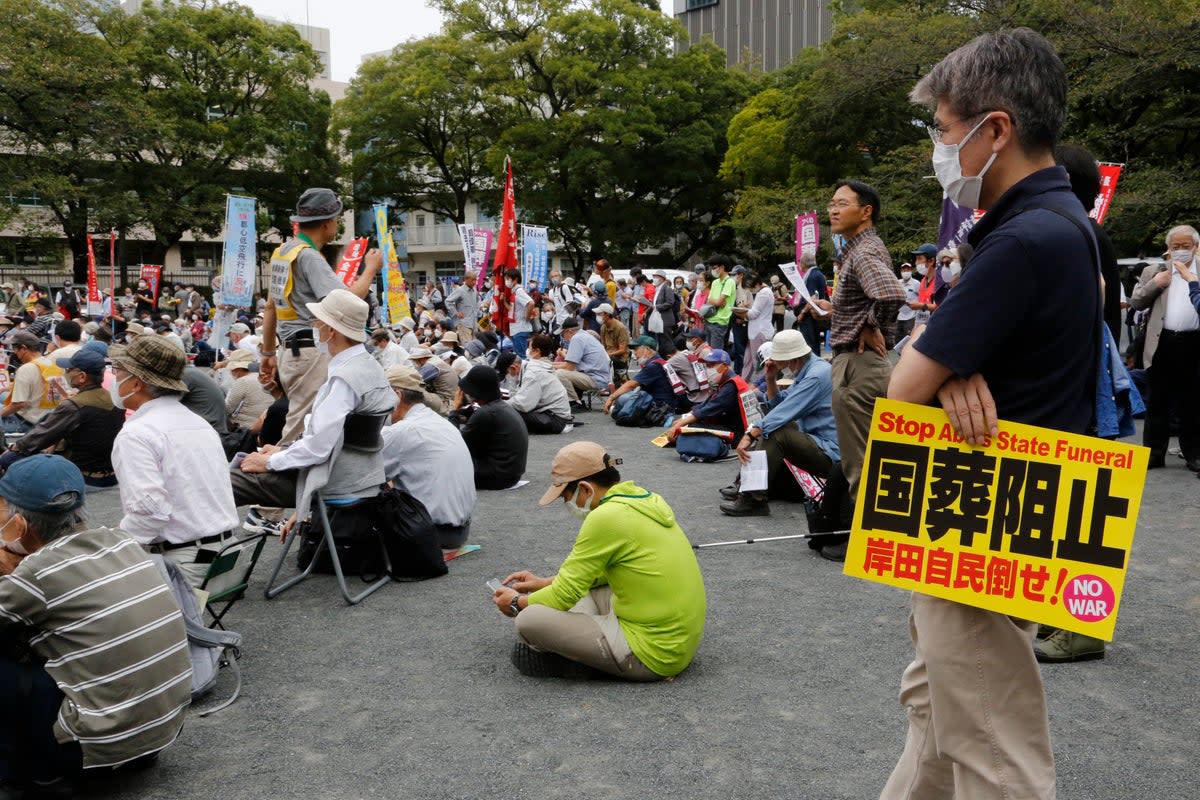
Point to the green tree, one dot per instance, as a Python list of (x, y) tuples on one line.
[(228, 109), (64, 100), (415, 127)]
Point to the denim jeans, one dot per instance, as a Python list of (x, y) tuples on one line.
[(520, 342)]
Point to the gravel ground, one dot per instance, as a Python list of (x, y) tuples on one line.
[(792, 695)]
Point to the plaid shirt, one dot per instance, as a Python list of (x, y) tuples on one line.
[(868, 292)]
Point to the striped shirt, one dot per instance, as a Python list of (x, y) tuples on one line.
[(867, 291), (112, 638)]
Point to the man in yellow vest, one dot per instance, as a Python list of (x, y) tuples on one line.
[(38, 385), (299, 275)]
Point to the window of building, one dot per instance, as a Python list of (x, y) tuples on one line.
[(199, 256), (419, 220), (693, 4), (448, 269), (23, 198)]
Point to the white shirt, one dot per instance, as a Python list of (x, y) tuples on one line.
[(323, 425), (250, 343), (426, 455), (1180, 314), (759, 315), (521, 302), (392, 355), (912, 293), (172, 474)]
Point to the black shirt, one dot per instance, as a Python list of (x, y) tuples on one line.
[(1026, 315), (499, 444)]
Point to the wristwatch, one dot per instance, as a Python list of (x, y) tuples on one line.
[(514, 605)]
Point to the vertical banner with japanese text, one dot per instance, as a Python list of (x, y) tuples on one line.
[(241, 260), (352, 256), (807, 234), (536, 247), (151, 274), (1036, 523), (93, 283), (1109, 175), (466, 236)]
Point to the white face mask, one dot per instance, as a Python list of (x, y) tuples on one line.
[(920, 268), (951, 272), (322, 345), (714, 377), (1182, 256), (13, 545), (574, 508), (906, 274), (946, 165), (114, 392)]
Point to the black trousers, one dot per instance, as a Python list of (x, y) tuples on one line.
[(1174, 384), (543, 422)]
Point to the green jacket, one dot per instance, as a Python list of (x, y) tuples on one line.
[(633, 543)]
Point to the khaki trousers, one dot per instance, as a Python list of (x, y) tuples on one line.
[(589, 633), (858, 378), (977, 727), (301, 377), (575, 382)]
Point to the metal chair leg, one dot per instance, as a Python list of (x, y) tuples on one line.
[(352, 599), (271, 590)]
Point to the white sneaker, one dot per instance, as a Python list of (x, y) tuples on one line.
[(257, 523)]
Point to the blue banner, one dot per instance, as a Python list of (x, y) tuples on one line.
[(536, 245), (241, 255)]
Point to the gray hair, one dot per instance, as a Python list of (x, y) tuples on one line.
[(411, 396), (808, 259), (1013, 70), (51, 525), (1185, 229), (156, 391)]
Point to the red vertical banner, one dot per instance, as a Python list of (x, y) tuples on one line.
[(93, 284), (506, 254), (152, 274), (352, 256), (112, 264), (1109, 175)]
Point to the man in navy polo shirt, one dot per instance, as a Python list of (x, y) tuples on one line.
[(651, 378), (973, 692)]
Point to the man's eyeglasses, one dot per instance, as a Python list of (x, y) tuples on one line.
[(838, 205)]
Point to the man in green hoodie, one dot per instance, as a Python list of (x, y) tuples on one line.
[(628, 600)]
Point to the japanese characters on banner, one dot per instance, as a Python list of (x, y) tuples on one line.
[(151, 274), (94, 303), (1037, 523), (241, 257), (395, 294), (536, 246), (955, 223), (1109, 175), (352, 256), (477, 250), (807, 234)]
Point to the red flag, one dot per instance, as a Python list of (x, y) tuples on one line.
[(1109, 175), (352, 256), (112, 263), (506, 255), (93, 296)]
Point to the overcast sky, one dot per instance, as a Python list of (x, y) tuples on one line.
[(358, 27)]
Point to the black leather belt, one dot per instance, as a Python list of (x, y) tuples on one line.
[(1179, 334), (838, 349), (297, 341), (162, 547)]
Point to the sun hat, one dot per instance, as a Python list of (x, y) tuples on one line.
[(152, 360), (240, 359), (482, 383), (789, 344), (402, 376), (316, 205), (574, 462), (419, 353), (344, 312)]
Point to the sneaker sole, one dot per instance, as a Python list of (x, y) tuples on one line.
[(536, 664), (1044, 659)]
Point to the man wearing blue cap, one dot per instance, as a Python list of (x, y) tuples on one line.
[(103, 676), (725, 409), (86, 423)]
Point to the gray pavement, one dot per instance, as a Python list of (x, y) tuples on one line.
[(792, 695)]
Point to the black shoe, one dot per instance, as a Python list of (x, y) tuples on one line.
[(1158, 460), (1193, 464), (731, 491), (57, 789), (540, 664), (578, 407), (746, 506), (834, 552)]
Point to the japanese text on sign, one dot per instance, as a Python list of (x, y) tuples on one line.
[(1036, 523)]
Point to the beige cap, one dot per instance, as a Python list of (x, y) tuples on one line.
[(789, 344), (575, 461), (402, 376), (240, 359), (451, 337)]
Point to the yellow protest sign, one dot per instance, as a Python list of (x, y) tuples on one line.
[(1036, 523)]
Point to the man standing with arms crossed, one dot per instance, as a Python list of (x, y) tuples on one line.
[(973, 693), (301, 275), (862, 330)]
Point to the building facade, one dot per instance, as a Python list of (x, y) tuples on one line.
[(767, 33)]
